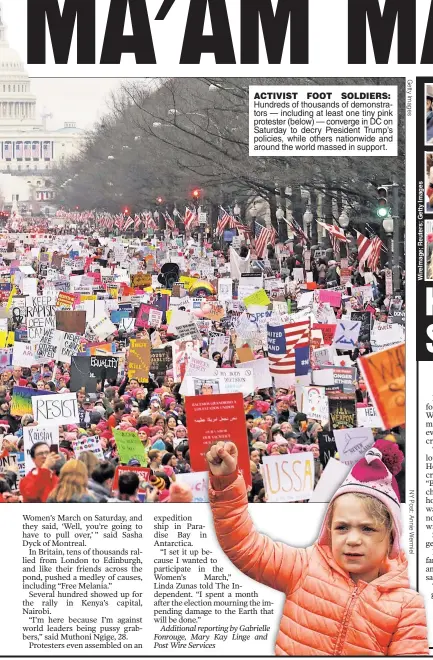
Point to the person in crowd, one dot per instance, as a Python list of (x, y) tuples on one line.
[(72, 485), (357, 566), (37, 485)]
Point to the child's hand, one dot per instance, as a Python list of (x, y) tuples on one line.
[(222, 458)]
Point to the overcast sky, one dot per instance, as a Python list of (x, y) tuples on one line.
[(83, 100)]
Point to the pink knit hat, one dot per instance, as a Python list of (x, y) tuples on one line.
[(374, 475)]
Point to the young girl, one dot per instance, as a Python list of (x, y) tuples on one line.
[(348, 594)]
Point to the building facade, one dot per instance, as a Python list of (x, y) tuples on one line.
[(28, 151)]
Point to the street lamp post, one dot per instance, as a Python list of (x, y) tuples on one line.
[(396, 232), (344, 222), (308, 219), (388, 227), (280, 218)]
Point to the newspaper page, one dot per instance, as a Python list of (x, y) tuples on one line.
[(203, 310)]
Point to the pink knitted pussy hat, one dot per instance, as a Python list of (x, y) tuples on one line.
[(374, 475)]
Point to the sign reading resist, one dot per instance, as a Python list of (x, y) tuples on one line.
[(56, 410)]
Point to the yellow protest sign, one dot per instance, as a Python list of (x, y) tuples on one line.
[(188, 281), (259, 297), (139, 359), (6, 338), (11, 296)]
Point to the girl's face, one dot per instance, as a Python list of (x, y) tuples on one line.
[(171, 423), (143, 436), (159, 422), (255, 456), (181, 433), (359, 544)]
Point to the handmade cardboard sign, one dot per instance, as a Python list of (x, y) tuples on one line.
[(353, 443), (289, 477), (384, 373), (56, 409)]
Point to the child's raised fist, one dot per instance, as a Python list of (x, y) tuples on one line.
[(222, 458)]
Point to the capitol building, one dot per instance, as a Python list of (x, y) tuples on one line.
[(28, 151)]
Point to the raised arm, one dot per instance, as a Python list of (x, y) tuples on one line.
[(275, 564)]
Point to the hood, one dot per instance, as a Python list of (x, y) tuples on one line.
[(395, 577)]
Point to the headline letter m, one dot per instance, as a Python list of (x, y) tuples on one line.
[(61, 25), (382, 29)]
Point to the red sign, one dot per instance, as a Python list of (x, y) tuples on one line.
[(217, 417), (142, 473), (328, 331)]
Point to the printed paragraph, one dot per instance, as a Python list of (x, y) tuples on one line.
[(323, 121)]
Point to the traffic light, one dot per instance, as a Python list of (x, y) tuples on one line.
[(383, 209), (196, 194), (126, 211), (159, 200)]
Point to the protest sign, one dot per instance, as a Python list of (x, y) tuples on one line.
[(261, 374), (328, 331), (40, 316), (130, 446), (259, 298), (198, 368), (199, 484), (346, 335), (188, 331), (331, 297), (81, 376), (353, 443), (139, 359), (88, 443), (385, 335), (331, 478), (367, 416), (160, 360), (57, 409), (225, 288), (219, 344), (71, 321), (182, 351), (21, 403), (315, 403), (214, 418), (365, 329), (342, 411), (345, 379), (245, 354), (23, 355), (102, 327), (34, 434), (237, 380), (289, 477), (327, 446), (143, 474), (384, 373)]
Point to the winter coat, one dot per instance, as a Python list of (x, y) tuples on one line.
[(37, 485), (98, 491), (325, 612)]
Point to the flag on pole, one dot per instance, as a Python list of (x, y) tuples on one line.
[(128, 223), (298, 231), (169, 222), (264, 236), (223, 220), (364, 245), (335, 231), (190, 219), (374, 255), (137, 221)]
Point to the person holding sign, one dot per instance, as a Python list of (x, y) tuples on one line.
[(39, 482), (348, 594)]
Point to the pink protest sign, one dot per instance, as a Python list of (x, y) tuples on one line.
[(331, 297)]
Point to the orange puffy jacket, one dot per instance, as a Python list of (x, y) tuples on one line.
[(325, 612)]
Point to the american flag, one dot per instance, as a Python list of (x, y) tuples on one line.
[(298, 231), (283, 342), (374, 255), (148, 221), (334, 230), (223, 220), (169, 222), (364, 245), (119, 222), (137, 221), (191, 219), (264, 236), (129, 222)]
